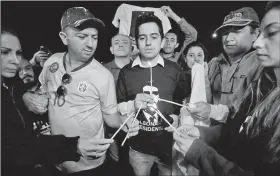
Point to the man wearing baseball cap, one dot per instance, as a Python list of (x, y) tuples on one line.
[(82, 93), (233, 70)]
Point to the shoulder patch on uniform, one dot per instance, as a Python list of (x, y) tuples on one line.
[(54, 67), (83, 86)]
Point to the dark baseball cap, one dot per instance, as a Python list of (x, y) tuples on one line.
[(76, 16), (240, 17)]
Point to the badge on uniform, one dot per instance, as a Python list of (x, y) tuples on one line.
[(54, 67), (83, 86)]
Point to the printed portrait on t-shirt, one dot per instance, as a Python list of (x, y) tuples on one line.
[(149, 113)]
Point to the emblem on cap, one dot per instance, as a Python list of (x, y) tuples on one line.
[(233, 17), (54, 67)]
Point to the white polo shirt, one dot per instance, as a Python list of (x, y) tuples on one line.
[(90, 94)]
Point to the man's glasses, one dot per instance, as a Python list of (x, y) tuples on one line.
[(61, 91)]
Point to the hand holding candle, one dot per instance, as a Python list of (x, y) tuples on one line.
[(142, 100), (127, 135)]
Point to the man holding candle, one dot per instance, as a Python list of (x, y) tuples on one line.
[(82, 93), (233, 70), (149, 73)]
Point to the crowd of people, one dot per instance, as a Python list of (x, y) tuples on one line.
[(68, 114)]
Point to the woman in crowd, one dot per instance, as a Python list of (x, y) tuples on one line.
[(257, 146), (21, 150), (195, 52)]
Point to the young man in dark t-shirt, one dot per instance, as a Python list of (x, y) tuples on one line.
[(153, 144)]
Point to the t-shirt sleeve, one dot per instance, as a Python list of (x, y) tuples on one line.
[(164, 19), (108, 96), (118, 16)]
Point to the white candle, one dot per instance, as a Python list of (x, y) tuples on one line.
[(187, 105), (160, 114), (122, 125), (132, 124), (151, 77)]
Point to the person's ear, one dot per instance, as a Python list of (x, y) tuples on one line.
[(177, 45), (111, 49), (63, 37)]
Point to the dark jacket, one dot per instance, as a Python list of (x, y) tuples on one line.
[(20, 148)]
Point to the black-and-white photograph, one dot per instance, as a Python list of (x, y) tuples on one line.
[(140, 88)]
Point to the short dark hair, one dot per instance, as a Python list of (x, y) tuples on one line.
[(270, 5), (180, 36), (174, 31), (147, 18)]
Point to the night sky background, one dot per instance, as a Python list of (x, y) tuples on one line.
[(38, 23)]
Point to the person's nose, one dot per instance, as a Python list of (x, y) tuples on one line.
[(148, 41), (15, 59), (121, 44), (259, 42), (230, 36), (89, 42), (24, 72), (195, 58), (168, 42)]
